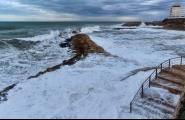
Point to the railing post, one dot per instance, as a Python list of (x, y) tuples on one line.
[(169, 63), (130, 107), (161, 66), (149, 81), (142, 91), (156, 74)]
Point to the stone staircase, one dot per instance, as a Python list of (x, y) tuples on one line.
[(161, 98)]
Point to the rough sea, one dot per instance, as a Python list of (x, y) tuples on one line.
[(92, 86), (27, 47)]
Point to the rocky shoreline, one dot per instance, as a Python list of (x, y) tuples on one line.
[(171, 24), (175, 24)]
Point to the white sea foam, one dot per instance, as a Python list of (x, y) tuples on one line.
[(92, 88), (90, 29), (116, 26), (142, 24), (52, 35)]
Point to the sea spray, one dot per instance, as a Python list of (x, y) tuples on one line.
[(52, 35), (90, 29)]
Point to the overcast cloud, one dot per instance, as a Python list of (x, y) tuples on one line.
[(84, 10)]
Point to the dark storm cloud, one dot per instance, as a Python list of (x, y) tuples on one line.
[(89, 9)]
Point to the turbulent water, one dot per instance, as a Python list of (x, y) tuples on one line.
[(91, 88), (27, 48)]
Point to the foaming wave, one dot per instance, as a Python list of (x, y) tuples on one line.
[(18, 44), (51, 35), (116, 26), (142, 24), (90, 29)]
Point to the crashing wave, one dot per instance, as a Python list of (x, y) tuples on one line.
[(18, 44), (143, 24), (51, 35), (90, 29)]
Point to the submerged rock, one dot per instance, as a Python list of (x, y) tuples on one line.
[(125, 28), (56, 67), (130, 24), (66, 43), (154, 23), (4, 92), (75, 32)]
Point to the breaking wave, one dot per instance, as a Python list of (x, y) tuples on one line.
[(18, 44), (51, 35), (90, 29)]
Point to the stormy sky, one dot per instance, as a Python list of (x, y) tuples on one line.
[(85, 10)]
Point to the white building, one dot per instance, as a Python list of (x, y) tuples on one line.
[(176, 11)]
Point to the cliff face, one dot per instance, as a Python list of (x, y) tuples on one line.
[(176, 24)]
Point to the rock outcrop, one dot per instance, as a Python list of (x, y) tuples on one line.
[(71, 61), (131, 24), (136, 24), (154, 23), (81, 44), (175, 24)]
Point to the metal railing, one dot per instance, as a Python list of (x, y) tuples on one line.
[(147, 83)]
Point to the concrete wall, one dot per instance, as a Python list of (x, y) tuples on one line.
[(175, 12)]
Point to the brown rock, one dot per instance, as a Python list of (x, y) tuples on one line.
[(82, 44), (175, 24)]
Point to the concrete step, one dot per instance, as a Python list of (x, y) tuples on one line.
[(145, 107), (175, 72), (161, 96), (171, 78), (143, 112), (180, 67), (168, 83), (171, 89), (159, 107), (161, 102)]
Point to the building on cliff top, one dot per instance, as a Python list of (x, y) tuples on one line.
[(177, 11)]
